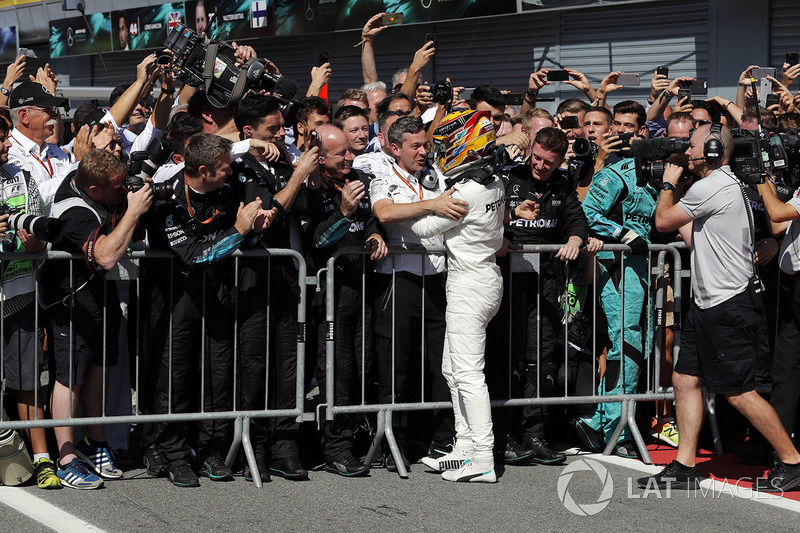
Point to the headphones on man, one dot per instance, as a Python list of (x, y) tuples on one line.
[(714, 149)]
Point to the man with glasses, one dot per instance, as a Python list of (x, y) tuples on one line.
[(34, 116)]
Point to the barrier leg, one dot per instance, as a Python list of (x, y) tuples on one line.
[(237, 440), (637, 436), (375, 447), (711, 407), (390, 440), (249, 454), (623, 421)]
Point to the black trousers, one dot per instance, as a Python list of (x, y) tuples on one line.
[(267, 313), (786, 359), (196, 357), (353, 357), (401, 328), (535, 322)]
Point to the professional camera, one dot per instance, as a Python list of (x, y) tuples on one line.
[(442, 92), (213, 65), (584, 149), (650, 158), (43, 228), (757, 154), (143, 165)]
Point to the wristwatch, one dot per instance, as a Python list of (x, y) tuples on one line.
[(667, 186), (4, 90)]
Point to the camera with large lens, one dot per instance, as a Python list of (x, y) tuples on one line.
[(213, 65), (442, 92), (584, 149), (143, 165), (650, 158), (43, 228)]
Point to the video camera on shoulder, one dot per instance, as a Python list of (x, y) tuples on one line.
[(757, 154), (212, 64)]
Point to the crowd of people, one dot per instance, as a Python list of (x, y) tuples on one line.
[(408, 165)]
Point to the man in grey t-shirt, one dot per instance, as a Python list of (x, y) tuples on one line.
[(718, 343)]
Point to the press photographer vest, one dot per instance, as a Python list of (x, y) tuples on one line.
[(126, 268), (17, 276)]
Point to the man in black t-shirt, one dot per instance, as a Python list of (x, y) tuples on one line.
[(84, 308)]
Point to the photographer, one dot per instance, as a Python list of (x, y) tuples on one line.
[(275, 318), (22, 341), (718, 342), (99, 219), (341, 216), (620, 211), (210, 217)]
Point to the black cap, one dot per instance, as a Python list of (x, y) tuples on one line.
[(30, 93), (92, 119)]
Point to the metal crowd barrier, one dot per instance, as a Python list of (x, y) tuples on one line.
[(241, 418), (651, 374)]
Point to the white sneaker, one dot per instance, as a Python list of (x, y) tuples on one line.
[(452, 461), (471, 473)]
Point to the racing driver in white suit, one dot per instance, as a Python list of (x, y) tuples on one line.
[(464, 147)]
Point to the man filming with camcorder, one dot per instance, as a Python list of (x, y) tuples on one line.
[(718, 342)]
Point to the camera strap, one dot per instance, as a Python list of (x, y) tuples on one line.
[(755, 286)]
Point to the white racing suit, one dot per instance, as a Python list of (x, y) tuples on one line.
[(474, 290)]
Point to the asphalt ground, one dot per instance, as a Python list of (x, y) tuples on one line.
[(601, 493)]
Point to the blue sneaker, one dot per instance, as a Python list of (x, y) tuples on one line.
[(75, 475), (99, 459)]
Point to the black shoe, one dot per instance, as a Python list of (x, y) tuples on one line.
[(781, 478), (626, 449), (347, 466), (515, 453), (289, 468), (543, 453), (436, 451), (675, 476), (155, 462), (263, 470), (182, 475), (759, 454), (215, 469), (590, 438), (388, 461)]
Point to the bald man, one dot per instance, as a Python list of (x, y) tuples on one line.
[(718, 342), (341, 216)]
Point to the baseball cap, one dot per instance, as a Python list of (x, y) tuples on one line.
[(30, 93)]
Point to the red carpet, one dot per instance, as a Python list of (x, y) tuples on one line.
[(718, 467)]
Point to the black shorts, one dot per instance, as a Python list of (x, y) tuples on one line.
[(23, 352), (719, 345), (86, 321)]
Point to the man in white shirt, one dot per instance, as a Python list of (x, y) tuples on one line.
[(410, 283), (33, 113)]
